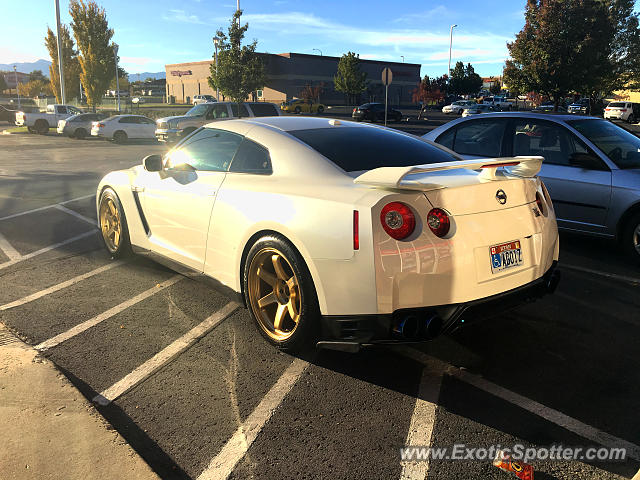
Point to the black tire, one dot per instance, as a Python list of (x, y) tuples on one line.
[(631, 119), (120, 137), (631, 237), (320, 109), (41, 127), (80, 133), (307, 329), (124, 245), (297, 110)]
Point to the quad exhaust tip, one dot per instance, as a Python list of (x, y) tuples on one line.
[(414, 327)]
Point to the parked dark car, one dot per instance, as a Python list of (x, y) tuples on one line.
[(591, 166), (546, 108), (581, 106), (374, 112)]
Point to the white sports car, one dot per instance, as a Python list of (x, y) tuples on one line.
[(336, 233)]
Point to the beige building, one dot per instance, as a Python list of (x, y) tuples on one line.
[(289, 73)]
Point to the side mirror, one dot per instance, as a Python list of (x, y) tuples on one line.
[(585, 160), (152, 163)]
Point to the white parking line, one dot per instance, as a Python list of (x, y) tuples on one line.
[(223, 464), (60, 286), (39, 209), (64, 209), (7, 248), (78, 329), (549, 414), (46, 249), (164, 356), (423, 419), (613, 276)]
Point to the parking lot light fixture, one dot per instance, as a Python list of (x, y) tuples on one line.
[(314, 49), (115, 56), (402, 56), (216, 41), (450, 43), (15, 72)]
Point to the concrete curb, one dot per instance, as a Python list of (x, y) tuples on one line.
[(49, 429)]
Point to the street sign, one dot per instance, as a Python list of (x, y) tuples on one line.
[(387, 76)]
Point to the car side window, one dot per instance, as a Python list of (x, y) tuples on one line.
[(206, 150), (217, 111), (62, 109), (146, 121), (251, 158), (446, 139), (243, 110), (479, 137), (126, 120), (263, 109), (547, 139)]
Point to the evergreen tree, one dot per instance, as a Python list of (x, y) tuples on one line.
[(349, 79), (240, 69)]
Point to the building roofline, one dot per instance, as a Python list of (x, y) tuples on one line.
[(294, 54)]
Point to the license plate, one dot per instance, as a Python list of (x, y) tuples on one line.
[(505, 255)]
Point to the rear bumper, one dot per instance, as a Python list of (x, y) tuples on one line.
[(349, 333)]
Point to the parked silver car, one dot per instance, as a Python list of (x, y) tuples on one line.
[(79, 126), (591, 166)]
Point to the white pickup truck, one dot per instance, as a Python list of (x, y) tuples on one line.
[(499, 102), (41, 122)]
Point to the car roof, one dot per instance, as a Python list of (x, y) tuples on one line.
[(290, 123), (556, 117)]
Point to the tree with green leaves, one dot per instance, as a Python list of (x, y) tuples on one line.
[(349, 79), (240, 69), (93, 37), (464, 80), (495, 86), (70, 62), (585, 46)]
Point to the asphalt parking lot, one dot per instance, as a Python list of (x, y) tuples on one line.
[(190, 384)]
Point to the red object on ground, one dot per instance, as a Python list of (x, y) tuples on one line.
[(522, 470)]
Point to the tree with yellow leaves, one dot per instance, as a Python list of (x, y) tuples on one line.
[(93, 37)]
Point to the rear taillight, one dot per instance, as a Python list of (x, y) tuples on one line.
[(100, 125), (397, 220), (540, 204), (355, 110), (438, 222), (356, 230), (623, 110)]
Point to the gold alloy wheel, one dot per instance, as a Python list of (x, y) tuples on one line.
[(274, 293), (110, 224)]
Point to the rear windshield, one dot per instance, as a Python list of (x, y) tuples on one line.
[(616, 104), (355, 149), (263, 109)]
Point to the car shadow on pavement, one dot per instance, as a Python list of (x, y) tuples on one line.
[(159, 461)]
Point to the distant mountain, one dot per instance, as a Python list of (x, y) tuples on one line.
[(28, 67), (133, 77)]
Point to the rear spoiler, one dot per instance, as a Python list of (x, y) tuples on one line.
[(394, 177)]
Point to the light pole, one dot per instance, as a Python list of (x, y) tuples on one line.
[(238, 8), (313, 49), (115, 56), (402, 58), (15, 72), (216, 40), (450, 43), (60, 59)]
